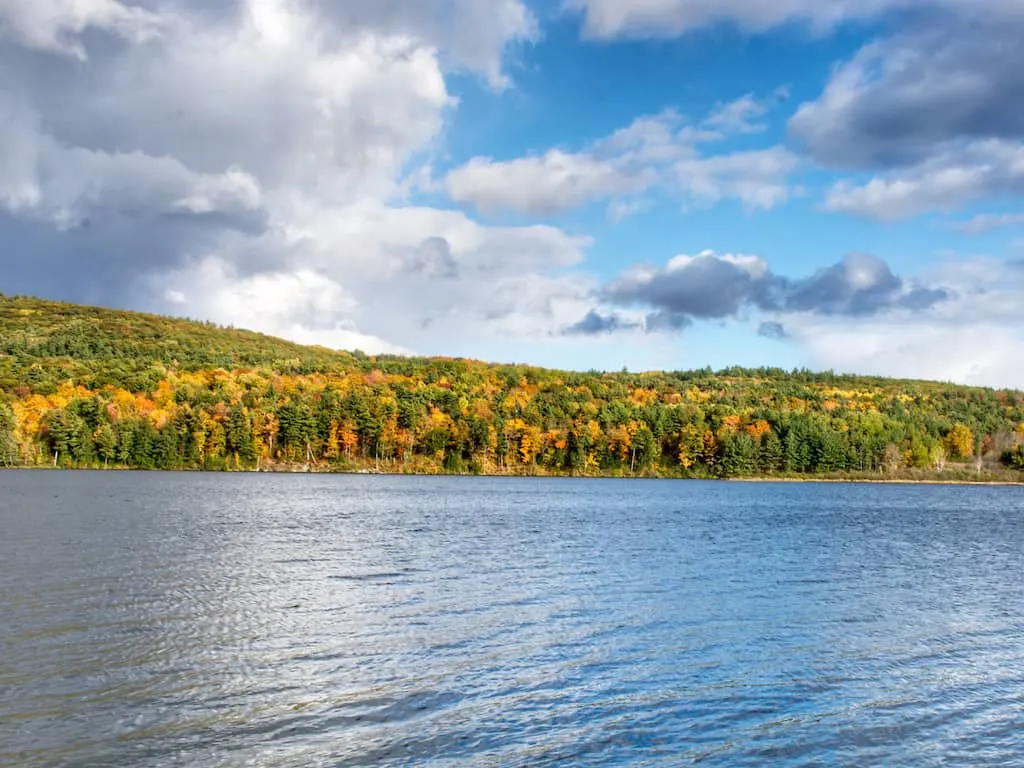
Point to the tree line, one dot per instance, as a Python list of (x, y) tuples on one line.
[(83, 387)]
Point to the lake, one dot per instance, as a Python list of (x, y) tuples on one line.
[(326, 620)]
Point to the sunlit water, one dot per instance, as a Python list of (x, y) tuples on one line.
[(259, 620)]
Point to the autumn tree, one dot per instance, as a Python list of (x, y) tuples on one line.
[(960, 441)]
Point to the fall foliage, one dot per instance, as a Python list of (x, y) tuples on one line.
[(89, 387)]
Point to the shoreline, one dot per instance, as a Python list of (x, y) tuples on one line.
[(552, 476)]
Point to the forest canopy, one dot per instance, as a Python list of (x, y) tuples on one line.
[(89, 387)]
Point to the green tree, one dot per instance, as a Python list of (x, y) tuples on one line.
[(238, 434), (770, 455), (106, 443), (8, 445)]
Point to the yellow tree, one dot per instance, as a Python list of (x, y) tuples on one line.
[(332, 449), (690, 445), (960, 441)]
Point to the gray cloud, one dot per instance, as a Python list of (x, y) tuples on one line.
[(706, 287), (473, 34), (250, 162), (434, 259), (900, 100), (671, 18), (594, 323), (666, 322), (858, 286), (712, 287), (942, 182), (772, 331)]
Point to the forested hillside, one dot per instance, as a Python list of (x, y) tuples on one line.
[(86, 387)]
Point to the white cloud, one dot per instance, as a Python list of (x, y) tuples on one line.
[(543, 186), (620, 210), (654, 152), (276, 303), (54, 25), (475, 35), (930, 110), (970, 338), (738, 116), (976, 353), (944, 182), (757, 178), (43, 178), (986, 222), (249, 164)]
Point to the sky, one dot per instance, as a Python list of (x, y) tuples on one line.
[(608, 184)]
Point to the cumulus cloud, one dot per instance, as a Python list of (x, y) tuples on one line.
[(474, 34), (710, 286), (663, 152), (759, 178), (55, 25), (543, 186), (969, 337), (931, 111), (899, 101), (249, 161), (943, 182)]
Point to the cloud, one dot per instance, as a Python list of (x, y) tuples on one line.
[(986, 222), (600, 323), (662, 152), (620, 210), (970, 337), (901, 100), (249, 161), (770, 330), (604, 19), (541, 186), (670, 18), (709, 286), (738, 116), (434, 259), (931, 111), (594, 323), (474, 34), (666, 322), (944, 182), (705, 286), (759, 178), (976, 353), (56, 25), (858, 286), (44, 179), (931, 108)]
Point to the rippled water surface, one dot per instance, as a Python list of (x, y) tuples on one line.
[(310, 620)]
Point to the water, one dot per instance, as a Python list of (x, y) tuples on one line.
[(260, 620)]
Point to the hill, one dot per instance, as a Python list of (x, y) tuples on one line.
[(86, 386)]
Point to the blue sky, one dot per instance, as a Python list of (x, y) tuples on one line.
[(588, 184)]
